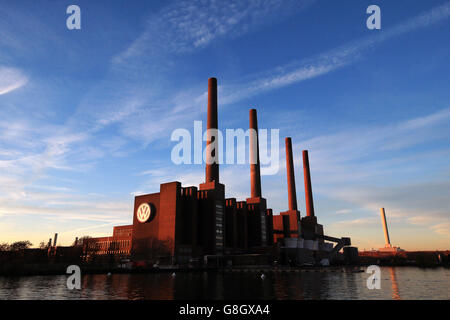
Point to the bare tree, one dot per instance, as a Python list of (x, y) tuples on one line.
[(81, 240), (20, 245), (42, 245)]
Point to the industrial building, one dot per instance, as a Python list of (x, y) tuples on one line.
[(181, 225), (119, 244)]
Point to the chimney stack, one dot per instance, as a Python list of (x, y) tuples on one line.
[(55, 239), (292, 194), (385, 228), (255, 174), (308, 188), (212, 169)]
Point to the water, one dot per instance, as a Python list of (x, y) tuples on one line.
[(396, 283)]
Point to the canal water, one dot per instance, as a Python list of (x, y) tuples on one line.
[(396, 283)]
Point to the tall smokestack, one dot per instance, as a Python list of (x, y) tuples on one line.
[(292, 194), (385, 228), (308, 188), (55, 239), (212, 169), (255, 174)]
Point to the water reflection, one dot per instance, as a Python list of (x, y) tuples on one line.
[(394, 284), (338, 284)]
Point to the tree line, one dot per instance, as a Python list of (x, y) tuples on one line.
[(15, 246), (26, 244)]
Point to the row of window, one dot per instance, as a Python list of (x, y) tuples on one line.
[(109, 245), (100, 252), (219, 226), (263, 227)]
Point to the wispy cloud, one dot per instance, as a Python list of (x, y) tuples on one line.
[(136, 108), (358, 223), (429, 120), (178, 28), (78, 230), (329, 61), (439, 223), (185, 105), (442, 228), (185, 26), (31, 151), (11, 79), (343, 211)]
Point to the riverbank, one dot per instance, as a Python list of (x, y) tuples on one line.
[(424, 259), (22, 266)]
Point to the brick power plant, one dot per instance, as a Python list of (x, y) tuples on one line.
[(184, 225)]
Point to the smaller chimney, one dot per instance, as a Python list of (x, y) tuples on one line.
[(49, 244), (308, 187), (385, 228), (292, 194), (55, 239)]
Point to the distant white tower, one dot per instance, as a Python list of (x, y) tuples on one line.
[(387, 247), (385, 228)]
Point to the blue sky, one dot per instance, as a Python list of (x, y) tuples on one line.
[(86, 115)]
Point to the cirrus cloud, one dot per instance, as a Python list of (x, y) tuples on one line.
[(11, 79)]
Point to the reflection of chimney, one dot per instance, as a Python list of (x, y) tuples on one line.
[(55, 239), (308, 188), (292, 195), (385, 228), (395, 291), (255, 174), (212, 169)]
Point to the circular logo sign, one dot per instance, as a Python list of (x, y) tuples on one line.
[(144, 212)]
